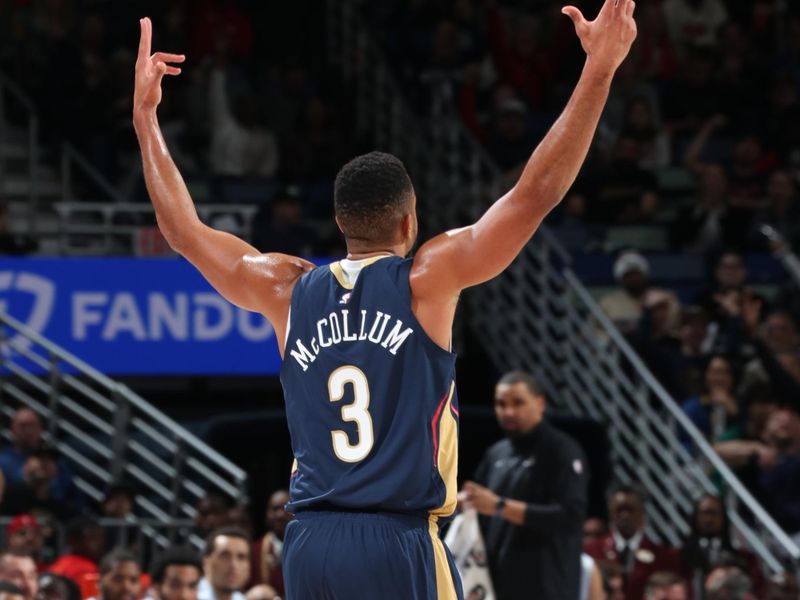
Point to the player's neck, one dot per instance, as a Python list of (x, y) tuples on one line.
[(355, 252)]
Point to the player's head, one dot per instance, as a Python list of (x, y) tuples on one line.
[(519, 402), (375, 203)]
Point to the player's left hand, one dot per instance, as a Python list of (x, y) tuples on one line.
[(481, 498), (150, 70), (608, 38)]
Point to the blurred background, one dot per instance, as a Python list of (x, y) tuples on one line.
[(658, 305)]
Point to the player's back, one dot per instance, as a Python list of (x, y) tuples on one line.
[(370, 398)]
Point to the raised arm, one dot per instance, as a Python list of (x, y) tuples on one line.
[(465, 257), (254, 281)]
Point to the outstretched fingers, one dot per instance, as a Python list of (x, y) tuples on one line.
[(168, 58), (145, 37)]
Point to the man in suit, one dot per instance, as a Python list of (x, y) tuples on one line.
[(628, 545)]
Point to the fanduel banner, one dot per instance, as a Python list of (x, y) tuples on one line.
[(137, 316)]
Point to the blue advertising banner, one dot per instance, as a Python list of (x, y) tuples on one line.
[(137, 316)]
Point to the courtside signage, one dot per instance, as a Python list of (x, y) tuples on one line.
[(137, 316)]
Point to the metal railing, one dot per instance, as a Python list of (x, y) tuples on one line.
[(108, 432), (145, 537), (538, 315), (10, 91), (104, 228)]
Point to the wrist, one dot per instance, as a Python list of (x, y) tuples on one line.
[(143, 116), (500, 506), (598, 70)]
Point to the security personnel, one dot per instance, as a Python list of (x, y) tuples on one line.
[(531, 490)]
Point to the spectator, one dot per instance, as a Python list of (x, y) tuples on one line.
[(782, 212), (120, 576), (56, 587), (613, 580), (621, 192), (665, 585), (24, 535), (176, 574), (35, 492), (710, 537), (119, 501), (702, 226), (714, 411), (9, 591), (531, 493), (19, 569), (594, 528), (212, 513), (722, 299), (226, 565), (776, 349), (86, 541), (629, 546), (624, 306), (26, 436), (268, 551), (694, 23), (240, 145), (774, 465), (239, 517), (510, 138), (279, 227), (728, 581), (653, 141)]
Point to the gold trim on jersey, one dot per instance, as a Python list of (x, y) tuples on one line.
[(447, 457), (338, 271), (445, 587)]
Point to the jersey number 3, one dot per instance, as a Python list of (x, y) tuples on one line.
[(356, 412)]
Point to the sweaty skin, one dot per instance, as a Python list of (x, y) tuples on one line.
[(443, 266)]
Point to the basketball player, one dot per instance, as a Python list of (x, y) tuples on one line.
[(368, 374)]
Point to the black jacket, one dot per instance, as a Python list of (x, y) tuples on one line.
[(541, 559)]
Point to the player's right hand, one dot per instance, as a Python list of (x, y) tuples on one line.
[(608, 38), (150, 70)]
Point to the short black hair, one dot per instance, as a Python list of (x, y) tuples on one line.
[(227, 531), (116, 556), (182, 556), (120, 488), (629, 489), (10, 588), (370, 196), (514, 377)]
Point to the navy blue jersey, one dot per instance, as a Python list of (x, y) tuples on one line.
[(370, 398)]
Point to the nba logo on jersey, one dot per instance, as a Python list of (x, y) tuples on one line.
[(345, 299)]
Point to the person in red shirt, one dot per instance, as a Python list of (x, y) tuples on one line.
[(86, 541)]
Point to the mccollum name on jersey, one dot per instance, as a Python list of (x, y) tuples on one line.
[(340, 327)]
